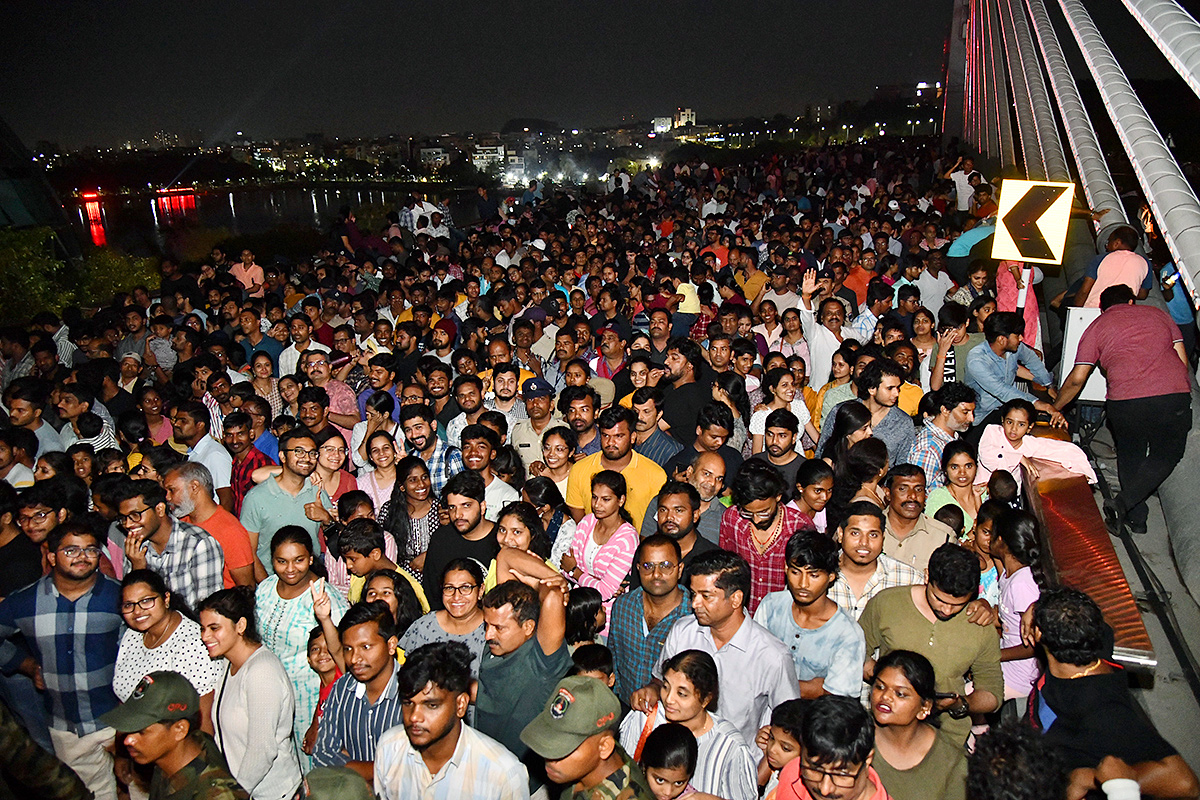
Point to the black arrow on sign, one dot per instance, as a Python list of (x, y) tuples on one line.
[(1021, 220)]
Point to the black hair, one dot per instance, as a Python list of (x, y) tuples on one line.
[(1002, 324), (614, 415), (734, 385), (615, 482), (291, 534), (58, 461), (1003, 487), (848, 417), (234, 604), (564, 432), (837, 731), (1072, 626), (509, 466), (158, 586), (958, 447), (873, 374), (572, 394), (917, 671), (807, 548), (1015, 762), (468, 565), (1118, 294), (527, 515), (348, 503), (953, 517), (542, 491), (360, 536), (732, 571), (756, 480), (670, 746), (466, 483), (446, 665), (789, 716), (1021, 535), (592, 657), (862, 463), (954, 570), (583, 602), (656, 540), (813, 470), (691, 352), (699, 668), (715, 414), (905, 471), (783, 418), (408, 606), (954, 393), (522, 598), (363, 612)]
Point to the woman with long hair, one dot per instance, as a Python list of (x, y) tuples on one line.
[(725, 766), (912, 760), (156, 462), (150, 403), (729, 388), (544, 496), (851, 425), (390, 587), (605, 540), (461, 619), (841, 383), (857, 477), (558, 444), (377, 417), (792, 342), (413, 512), (924, 332), (585, 617), (262, 371), (960, 465), (779, 391), (519, 526), (770, 329), (1016, 545), (981, 541), (289, 393), (285, 606), (379, 483), (254, 708)]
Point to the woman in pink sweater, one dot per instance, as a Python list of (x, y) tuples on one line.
[(602, 551)]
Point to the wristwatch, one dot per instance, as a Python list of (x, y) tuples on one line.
[(960, 709)]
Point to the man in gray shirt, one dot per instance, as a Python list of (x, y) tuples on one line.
[(879, 390)]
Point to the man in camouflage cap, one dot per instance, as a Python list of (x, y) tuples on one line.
[(160, 725), (576, 734)]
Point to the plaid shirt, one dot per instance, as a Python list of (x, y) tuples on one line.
[(445, 463), (242, 471), (406, 218), (75, 642), (889, 573), (192, 563), (926, 453), (767, 569), (864, 326), (634, 648)]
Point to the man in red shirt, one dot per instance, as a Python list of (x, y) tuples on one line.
[(246, 457), (1149, 401)]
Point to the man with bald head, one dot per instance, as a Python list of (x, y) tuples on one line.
[(707, 474)]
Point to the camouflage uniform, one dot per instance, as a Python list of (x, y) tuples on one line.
[(23, 760), (627, 783), (205, 778)]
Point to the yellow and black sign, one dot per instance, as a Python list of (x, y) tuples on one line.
[(1031, 223)]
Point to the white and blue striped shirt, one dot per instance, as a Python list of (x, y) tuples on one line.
[(481, 769), (351, 725)]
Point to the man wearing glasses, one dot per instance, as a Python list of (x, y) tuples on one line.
[(71, 624), (188, 558), (837, 741), (280, 500), (343, 404)]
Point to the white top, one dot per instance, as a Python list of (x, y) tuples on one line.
[(252, 715), (725, 766), (213, 455), (497, 495), (758, 420), (289, 358), (481, 768), (182, 652), (19, 476)]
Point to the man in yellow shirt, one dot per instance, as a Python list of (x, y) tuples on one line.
[(643, 478)]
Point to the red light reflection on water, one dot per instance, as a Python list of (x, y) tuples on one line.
[(176, 204), (95, 222)]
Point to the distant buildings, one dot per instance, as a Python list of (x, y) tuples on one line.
[(684, 116)]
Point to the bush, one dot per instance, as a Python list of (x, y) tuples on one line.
[(32, 278), (107, 272)]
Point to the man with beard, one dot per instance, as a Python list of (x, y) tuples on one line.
[(755, 672), (420, 434), (779, 440), (643, 477), (863, 570), (344, 413), (910, 617), (909, 535), (283, 499), (955, 404), (438, 379), (313, 412), (381, 378), (578, 405), (71, 619), (469, 534), (434, 687), (706, 474), (525, 623), (675, 513), (186, 556), (642, 617), (758, 526), (685, 366), (826, 643), (526, 435), (566, 350), (468, 393), (189, 497), (504, 393), (650, 440), (365, 703), (480, 444), (238, 436)]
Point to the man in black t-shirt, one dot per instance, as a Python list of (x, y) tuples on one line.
[(468, 535)]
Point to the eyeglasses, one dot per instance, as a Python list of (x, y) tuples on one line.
[(73, 551), (146, 603), (463, 590), (134, 516), (36, 516), (314, 362), (842, 780), (301, 452), (651, 566), (337, 451), (763, 515)]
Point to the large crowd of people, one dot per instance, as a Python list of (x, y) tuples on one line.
[(705, 485)]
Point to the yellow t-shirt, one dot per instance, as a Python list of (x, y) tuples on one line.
[(690, 304), (626, 401), (357, 585), (643, 480), (910, 398), (752, 285)]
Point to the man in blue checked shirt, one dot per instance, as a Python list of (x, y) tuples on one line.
[(72, 607)]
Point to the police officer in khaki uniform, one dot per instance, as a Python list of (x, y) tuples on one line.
[(160, 725)]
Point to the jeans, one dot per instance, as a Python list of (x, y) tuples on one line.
[(29, 706), (1150, 433)]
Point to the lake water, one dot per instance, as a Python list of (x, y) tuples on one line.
[(139, 224)]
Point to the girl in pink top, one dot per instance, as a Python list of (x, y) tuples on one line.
[(1009, 446), (1015, 543), (1014, 285), (602, 551)]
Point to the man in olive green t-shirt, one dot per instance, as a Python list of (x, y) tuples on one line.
[(928, 619)]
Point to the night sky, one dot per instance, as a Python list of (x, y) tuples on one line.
[(81, 72)]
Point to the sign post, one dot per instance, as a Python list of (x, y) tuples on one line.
[(1031, 221)]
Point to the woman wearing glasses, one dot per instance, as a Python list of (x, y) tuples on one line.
[(253, 710), (461, 620), (284, 607)]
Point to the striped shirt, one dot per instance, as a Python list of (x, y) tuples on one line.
[(75, 642), (725, 765), (481, 768), (351, 726), (888, 573)]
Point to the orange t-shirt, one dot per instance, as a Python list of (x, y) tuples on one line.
[(234, 541)]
